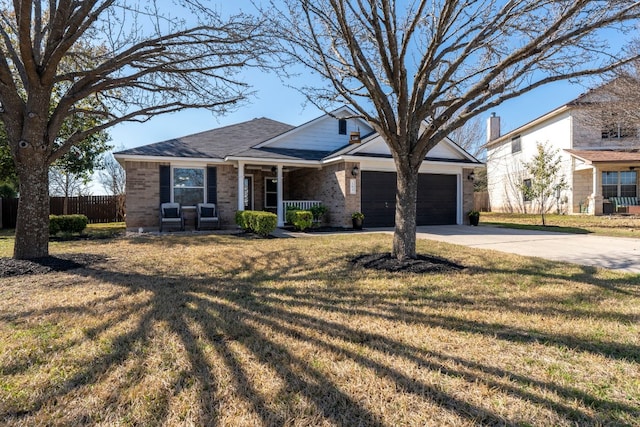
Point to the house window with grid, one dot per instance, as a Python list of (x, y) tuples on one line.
[(188, 186), (619, 184), (271, 193), (516, 145), (614, 128)]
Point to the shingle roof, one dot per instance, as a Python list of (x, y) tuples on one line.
[(608, 156), (216, 143), (282, 154)]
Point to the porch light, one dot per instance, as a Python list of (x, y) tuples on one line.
[(355, 171), (471, 176), (273, 169)]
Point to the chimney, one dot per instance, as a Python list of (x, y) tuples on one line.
[(493, 127), (354, 138)]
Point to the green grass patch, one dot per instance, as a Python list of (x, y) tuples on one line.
[(606, 225)]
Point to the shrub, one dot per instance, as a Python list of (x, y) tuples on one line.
[(259, 222), (318, 211), (67, 224), (301, 220), (242, 219)]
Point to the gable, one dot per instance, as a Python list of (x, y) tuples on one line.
[(321, 134), (445, 150)]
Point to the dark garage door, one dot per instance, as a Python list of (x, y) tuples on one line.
[(436, 204)]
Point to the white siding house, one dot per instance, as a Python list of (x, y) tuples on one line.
[(598, 164)]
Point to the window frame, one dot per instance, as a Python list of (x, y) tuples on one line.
[(612, 128), (516, 144), (266, 193), (342, 126), (618, 185), (174, 186), (526, 183)]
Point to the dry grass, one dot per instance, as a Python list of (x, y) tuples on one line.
[(605, 225), (219, 330)]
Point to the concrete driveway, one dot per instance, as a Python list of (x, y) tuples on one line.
[(615, 253)]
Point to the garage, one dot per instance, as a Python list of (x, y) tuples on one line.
[(436, 204)]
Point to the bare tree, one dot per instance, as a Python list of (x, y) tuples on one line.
[(63, 183), (113, 179), (613, 106), (128, 58), (442, 62), (471, 136)]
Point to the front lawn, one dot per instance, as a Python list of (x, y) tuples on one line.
[(605, 225), (223, 330)]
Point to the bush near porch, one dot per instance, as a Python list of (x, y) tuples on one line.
[(212, 329)]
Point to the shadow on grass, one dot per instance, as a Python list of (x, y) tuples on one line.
[(218, 315), (552, 228)]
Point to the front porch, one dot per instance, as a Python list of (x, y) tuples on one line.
[(604, 189), (275, 187)]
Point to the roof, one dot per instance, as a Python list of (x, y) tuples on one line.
[(216, 143), (605, 156), (252, 141), (532, 123), (592, 96)]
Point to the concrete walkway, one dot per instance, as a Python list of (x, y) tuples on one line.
[(615, 253)]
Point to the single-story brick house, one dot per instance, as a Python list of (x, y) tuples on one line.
[(262, 164)]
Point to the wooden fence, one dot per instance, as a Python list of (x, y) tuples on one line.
[(96, 208), (481, 202)]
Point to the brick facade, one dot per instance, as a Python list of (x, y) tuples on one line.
[(143, 195), (467, 195), (330, 185)]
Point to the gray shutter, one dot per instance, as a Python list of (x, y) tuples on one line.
[(165, 184), (212, 184)]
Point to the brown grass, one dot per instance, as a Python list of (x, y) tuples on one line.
[(605, 225), (219, 330)]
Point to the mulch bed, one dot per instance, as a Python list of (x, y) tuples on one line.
[(18, 267), (422, 264)]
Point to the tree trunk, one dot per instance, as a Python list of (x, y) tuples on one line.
[(404, 237), (32, 223)]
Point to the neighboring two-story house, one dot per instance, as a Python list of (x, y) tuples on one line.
[(600, 158)]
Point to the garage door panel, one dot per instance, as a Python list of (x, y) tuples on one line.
[(378, 198), (436, 204)]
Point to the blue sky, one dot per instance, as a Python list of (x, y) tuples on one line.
[(276, 101)]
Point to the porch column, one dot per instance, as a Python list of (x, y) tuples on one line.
[(280, 209), (240, 186), (595, 201)]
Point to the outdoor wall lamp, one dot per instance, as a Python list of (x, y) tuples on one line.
[(355, 171), (273, 169), (471, 176)]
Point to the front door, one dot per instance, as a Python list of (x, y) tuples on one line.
[(248, 193)]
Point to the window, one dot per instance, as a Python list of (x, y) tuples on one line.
[(342, 126), (628, 184), (188, 186), (619, 184), (614, 129), (271, 193), (516, 147), (526, 184)]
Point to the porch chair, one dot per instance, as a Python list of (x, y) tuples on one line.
[(207, 216), (171, 215)]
